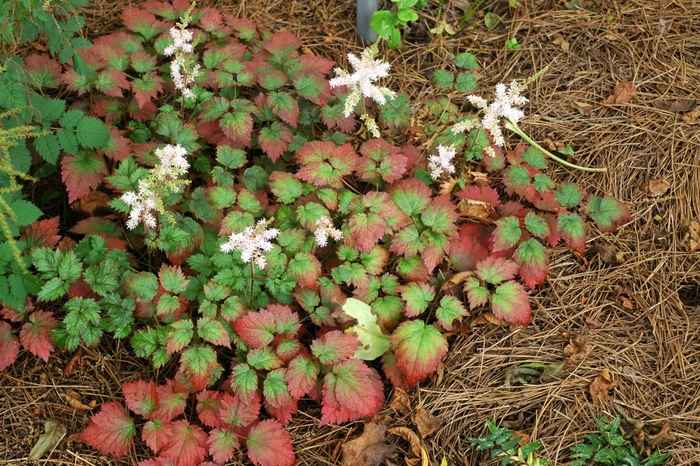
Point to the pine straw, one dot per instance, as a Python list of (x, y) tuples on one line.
[(652, 349)]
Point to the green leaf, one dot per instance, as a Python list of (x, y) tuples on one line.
[(49, 109), (55, 288), (179, 336), (443, 78), (396, 112), (67, 140), (214, 108), (417, 296), (264, 358), (533, 260), (511, 303), (477, 294), (466, 82), (419, 348), (143, 285), (608, 212), (230, 157), (48, 147), (466, 61), (535, 158), (450, 309), (374, 342), (543, 183), (568, 195), (91, 132), (536, 225), (25, 213), (573, 230), (507, 233), (285, 187), (213, 331)]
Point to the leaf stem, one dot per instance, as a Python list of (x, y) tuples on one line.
[(511, 125)]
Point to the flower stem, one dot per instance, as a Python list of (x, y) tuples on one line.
[(252, 282), (511, 125)]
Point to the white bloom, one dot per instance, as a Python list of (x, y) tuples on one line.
[(173, 162), (181, 41), (324, 229), (504, 105), (181, 81), (142, 203), (371, 125), (252, 243), (442, 162), (367, 71)]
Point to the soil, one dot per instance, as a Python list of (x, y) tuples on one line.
[(630, 305)]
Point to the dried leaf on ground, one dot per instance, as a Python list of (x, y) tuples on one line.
[(91, 203), (691, 239), (427, 423), (610, 254), (409, 436), (584, 108), (456, 279), (74, 363), (675, 105), (623, 93), (76, 404), (401, 401), (368, 449), (577, 349), (524, 438), (53, 433), (559, 40), (663, 437), (513, 423), (657, 188), (532, 373), (477, 210), (601, 386), (693, 116)]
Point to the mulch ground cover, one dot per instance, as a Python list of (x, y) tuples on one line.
[(630, 305)]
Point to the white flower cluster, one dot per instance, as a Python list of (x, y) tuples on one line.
[(173, 164), (181, 46), (367, 70), (181, 41), (252, 243), (505, 104), (442, 162), (324, 229), (142, 203)]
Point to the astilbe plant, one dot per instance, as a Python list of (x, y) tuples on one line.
[(252, 228)]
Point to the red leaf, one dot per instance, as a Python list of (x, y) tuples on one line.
[(187, 445), (274, 139), (147, 88), (208, 405), (284, 106), (301, 376), (335, 347), (480, 193), (42, 233), (282, 46), (110, 431), (212, 21), (141, 397), (324, 164), (9, 345), (118, 147), (496, 269), (270, 445), (172, 400), (82, 173), (222, 445), (511, 303), (392, 371), (111, 82), (156, 434), (147, 112), (43, 70), (256, 328), (36, 334), (235, 413), (351, 391), (381, 159), (470, 247)]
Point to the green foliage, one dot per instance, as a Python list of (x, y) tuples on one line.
[(503, 443), (387, 23), (610, 446)]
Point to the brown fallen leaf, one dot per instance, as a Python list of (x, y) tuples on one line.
[(91, 203), (559, 40), (74, 363), (447, 186), (401, 401), (584, 108), (691, 239), (609, 254), (623, 93), (675, 105), (663, 437), (426, 423), (657, 188), (577, 350), (513, 423), (523, 437), (601, 386), (409, 436), (368, 449), (479, 211), (455, 279), (593, 324), (77, 404), (692, 116)]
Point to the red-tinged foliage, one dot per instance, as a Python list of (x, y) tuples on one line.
[(301, 376), (156, 434), (36, 334), (112, 82), (119, 147), (284, 106), (44, 71), (234, 412), (270, 445), (392, 371), (141, 397), (42, 233), (80, 288), (222, 445), (110, 431), (109, 108), (481, 193), (257, 329), (212, 21), (419, 348), (74, 82), (12, 314), (324, 164), (282, 46), (187, 445), (546, 202), (351, 391), (496, 269), (274, 140), (140, 20), (208, 405), (533, 261), (147, 88), (82, 173), (145, 113), (9, 345), (511, 303), (470, 246), (172, 401), (381, 160), (335, 347)]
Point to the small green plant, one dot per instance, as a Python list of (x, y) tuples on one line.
[(386, 23), (611, 447), (503, 443), (512, 44)]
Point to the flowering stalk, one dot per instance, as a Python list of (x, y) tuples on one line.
[(442, 162), (367, 71), (182, 48), (324, 229)]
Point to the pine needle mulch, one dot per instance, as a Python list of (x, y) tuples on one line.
[(636, 314)]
